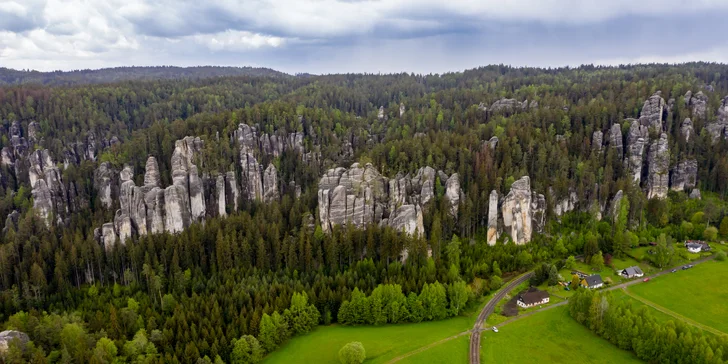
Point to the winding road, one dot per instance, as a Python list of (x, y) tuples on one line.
[(487, 310)]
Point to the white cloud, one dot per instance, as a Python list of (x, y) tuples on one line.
[(235, 40)]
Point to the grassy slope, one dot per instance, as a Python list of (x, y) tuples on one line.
[(699, 293), (551, 336)]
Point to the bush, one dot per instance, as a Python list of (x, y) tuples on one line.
[(720, 256), (352, 353)]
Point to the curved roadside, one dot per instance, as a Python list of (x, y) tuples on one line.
[(487, 310)]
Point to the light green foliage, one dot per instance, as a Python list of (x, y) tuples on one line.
[(74, 341), (352, 353), (301, 316), (140, 349), (597, 261), (710, 233), (246, 350), (104, 352), (720, 256), (570, 262), (457, 293)]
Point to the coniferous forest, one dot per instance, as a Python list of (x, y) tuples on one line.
[(210, 214)]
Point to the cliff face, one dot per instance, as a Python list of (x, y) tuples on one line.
[(659, 163), (361, 195), (523, 211)]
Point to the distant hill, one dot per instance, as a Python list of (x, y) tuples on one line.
[(15, 77)]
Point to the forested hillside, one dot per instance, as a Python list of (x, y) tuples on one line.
[(180, 214)]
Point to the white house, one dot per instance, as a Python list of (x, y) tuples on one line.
[(632, 272), (532, 298), (593, 282), (694, 248)]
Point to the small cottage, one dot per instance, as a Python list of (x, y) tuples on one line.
[(592, 282), (533, 297), (632, 272)]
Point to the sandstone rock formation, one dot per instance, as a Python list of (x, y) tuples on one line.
[(659, 163), (686, 129), (566, 204), (698, 104), (510, 105), (380, 113), (401, 109), (597, 140), (616, 204), (636, 138), (615, 139), (719, 128), (493, 218), (684, 175), (49, 192), (104, 184), (653, 112), (361, 195), (695, 194), (8, 336), (523, 210), (270, 184)]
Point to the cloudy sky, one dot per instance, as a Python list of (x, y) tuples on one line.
[(330, 36)]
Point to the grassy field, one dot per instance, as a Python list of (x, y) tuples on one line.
[(551, 336), (699, 293), (382, 343), (453, 351)]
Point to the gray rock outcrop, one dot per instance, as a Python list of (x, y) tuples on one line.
[(659, 163), (108, 235), (401, 109), (719, 128), (695, 194), (380, 113), (597, 140), (653, 111), (151, 174), (105, 183), (698, 104), (684, 175), (616, 204), (12, 336), (220, 195), (615, 139), (123, 226), (686, 129), (452, 193), (566, 204), (270, 184), (636, 138), (523, 210), (361, 195), (493, 218), (49, 193)]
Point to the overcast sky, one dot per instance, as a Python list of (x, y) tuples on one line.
[(329, 36)]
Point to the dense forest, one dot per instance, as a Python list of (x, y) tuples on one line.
[(249, 244)]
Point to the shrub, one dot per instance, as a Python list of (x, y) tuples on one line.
[(352, 353)]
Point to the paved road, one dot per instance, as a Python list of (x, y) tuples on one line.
[(490, 306), (487, 310)]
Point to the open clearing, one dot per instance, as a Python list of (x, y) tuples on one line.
[(453, 351), (699, 293), (382, 343), (551, 336)]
